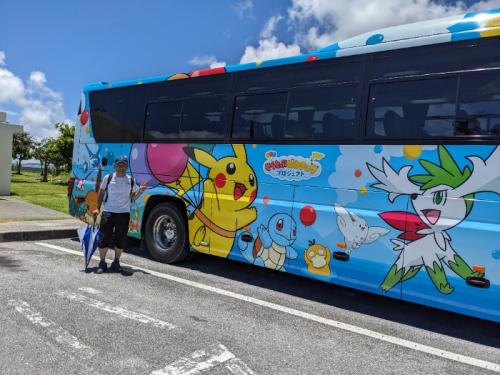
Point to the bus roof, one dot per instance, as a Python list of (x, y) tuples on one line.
[(467, 26)]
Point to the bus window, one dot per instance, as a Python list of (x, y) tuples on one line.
[(322, 113), (108, 110), (188, 88), (479, 108), (203, 118), (260, 117), (412, 109), (478, 54), (136, 109), (162, 121), (300, 75)]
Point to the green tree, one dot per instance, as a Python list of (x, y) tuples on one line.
[(47, 152), (64, 146), (22, 148)]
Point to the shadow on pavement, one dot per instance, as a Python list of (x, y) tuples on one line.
[(10, 264), (427, 318)]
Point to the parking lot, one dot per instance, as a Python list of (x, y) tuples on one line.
[(211, 315)]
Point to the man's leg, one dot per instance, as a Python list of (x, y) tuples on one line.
[(106, 235), (121, 230)]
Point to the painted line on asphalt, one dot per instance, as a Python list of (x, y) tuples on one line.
[(203, 360), (315, 318), (116, 310), (90, 290), (55, 332)]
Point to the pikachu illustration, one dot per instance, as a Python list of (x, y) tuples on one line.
[(228, 192)]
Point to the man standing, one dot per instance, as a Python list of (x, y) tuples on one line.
[(117, 191)]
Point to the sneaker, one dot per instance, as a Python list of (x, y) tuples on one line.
[(103, 267), (115, 266)]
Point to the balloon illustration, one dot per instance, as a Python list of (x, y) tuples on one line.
[(307, 215), (166, 161), (139, 165)]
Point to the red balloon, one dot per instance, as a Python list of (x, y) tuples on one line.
[(307, 215), (84, 117)]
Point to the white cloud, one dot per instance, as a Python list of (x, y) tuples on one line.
[(319, 23), (40, 107), (2, 58), (37, 78), (12, 88), (270, 26), (244, 9), (207, 60), (269, 49)]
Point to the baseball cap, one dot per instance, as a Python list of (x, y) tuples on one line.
[(121, 159)]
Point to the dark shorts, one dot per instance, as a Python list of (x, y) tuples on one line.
[(113, 223)]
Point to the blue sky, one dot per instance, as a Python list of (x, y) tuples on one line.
[(50, 49)]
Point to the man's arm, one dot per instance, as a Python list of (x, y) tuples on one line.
[(100, 198), (135, 194)]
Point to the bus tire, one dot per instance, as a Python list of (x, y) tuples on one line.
[(166, 234)]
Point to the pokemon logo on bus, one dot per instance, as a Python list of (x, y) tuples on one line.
[(442, 199)]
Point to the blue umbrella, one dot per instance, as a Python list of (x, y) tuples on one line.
[(89, 238)]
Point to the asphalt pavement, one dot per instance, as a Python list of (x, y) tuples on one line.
[(24, 221), (214, 316)]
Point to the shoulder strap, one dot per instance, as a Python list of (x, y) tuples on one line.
[(109, 176)]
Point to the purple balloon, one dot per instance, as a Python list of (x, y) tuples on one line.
[(139, 165)]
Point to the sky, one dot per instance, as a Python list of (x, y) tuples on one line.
[(49, 50)]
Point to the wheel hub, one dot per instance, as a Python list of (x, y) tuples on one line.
[(164, 232)]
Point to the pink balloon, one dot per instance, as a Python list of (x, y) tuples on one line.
[(167, 161)]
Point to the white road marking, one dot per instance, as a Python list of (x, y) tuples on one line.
[(203, 360), (57, 333), (238, 367), (315, 318), (90, 290), (116, 310)]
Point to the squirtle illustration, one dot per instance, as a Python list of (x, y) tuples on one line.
[(274, 243)]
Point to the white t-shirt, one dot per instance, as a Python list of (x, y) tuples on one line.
[(118, 193)]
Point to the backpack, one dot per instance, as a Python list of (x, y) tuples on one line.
[(110, 176)]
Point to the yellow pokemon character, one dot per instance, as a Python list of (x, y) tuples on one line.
[(229, 190), (317, 258)]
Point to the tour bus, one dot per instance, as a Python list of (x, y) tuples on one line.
[(372, 163)]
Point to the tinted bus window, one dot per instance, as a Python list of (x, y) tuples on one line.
[(412, 109), (163, 121), (260, 117), (300, 75), (322, 113), (479, 109), (477, 54), (136, 111), (189, 87), (203, 118), (108, 109)]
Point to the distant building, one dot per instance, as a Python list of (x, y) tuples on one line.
[(6, 133)]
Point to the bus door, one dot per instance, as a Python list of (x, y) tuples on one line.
[(269, 240), (349, 226), (458, 265)]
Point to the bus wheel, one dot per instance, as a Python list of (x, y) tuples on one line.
[(165, 234)]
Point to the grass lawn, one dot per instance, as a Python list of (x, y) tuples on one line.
[(51, 194)]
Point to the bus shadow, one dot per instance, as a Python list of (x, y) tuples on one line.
[(447, 323)]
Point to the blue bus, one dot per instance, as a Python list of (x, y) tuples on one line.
[(372, 163)]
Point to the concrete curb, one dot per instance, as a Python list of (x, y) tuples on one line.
[(37, 235)]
